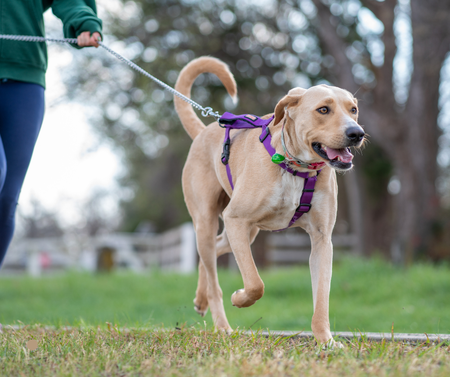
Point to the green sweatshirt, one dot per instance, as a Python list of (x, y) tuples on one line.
[(27, 61)]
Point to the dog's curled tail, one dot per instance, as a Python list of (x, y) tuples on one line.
[(191, 122)]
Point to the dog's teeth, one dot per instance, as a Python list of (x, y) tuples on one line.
[(324, 148), (339, 158)]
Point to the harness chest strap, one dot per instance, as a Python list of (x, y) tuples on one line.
[(231, 121)]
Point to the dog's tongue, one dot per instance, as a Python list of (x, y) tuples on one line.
[(343, 153)]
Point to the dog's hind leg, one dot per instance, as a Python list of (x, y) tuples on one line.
[(206, 230), (223, 244), (222, 247), (201, 294), (201, 300)]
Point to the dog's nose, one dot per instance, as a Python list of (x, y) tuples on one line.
[(355, 134)]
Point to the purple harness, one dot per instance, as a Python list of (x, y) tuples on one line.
[(230, 121)]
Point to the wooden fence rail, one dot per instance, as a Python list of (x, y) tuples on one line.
[(288, 248), (173, 250)]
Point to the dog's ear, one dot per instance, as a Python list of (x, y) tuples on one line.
[(293, 98), (296, 91), (286, 101)]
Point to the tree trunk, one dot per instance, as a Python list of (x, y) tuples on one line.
[(418, 204), (407, 135)]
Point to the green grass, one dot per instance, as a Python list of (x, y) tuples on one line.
[(191, 352), (365, 296)]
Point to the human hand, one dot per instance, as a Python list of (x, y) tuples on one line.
[(86, 39)]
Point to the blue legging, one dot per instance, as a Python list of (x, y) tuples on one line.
[(21, 115)]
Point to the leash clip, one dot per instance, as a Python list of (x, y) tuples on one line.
[(208, 111), (226, 152)]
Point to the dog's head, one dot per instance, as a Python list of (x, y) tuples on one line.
[(321, 123)]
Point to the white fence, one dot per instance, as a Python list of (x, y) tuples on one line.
[(289, 247), (173, 250)]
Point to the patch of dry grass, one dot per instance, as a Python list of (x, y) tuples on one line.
[(193, 352)]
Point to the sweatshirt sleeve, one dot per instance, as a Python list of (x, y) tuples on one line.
[(77, 16)]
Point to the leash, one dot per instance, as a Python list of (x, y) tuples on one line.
[(205, 111), (227, 120)]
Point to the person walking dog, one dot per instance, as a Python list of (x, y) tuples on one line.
[(22, 85)]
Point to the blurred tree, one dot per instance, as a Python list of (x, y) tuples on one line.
[(162, 36), (272, 46), (96, 218), (402, 118), (39, 222)]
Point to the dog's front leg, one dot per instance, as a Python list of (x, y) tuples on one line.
[(240, 235), (320, 264), (222, 247)]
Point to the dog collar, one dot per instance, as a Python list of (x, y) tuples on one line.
[(277, 158)]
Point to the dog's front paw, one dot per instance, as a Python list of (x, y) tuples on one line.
[(331, 345), (234, 299), (242, 299), (225, 328)]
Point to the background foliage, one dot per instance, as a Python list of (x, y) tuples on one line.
[(271, 46)]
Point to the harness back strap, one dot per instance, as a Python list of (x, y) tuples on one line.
[(231, 121)]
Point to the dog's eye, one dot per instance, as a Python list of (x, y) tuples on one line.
[(354, 110), (323, 110)]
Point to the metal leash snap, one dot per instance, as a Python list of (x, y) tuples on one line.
[(208, 111)]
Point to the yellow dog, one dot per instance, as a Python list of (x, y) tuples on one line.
[(319, 126)]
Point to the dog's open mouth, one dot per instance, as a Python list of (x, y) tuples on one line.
[(337, 158)]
